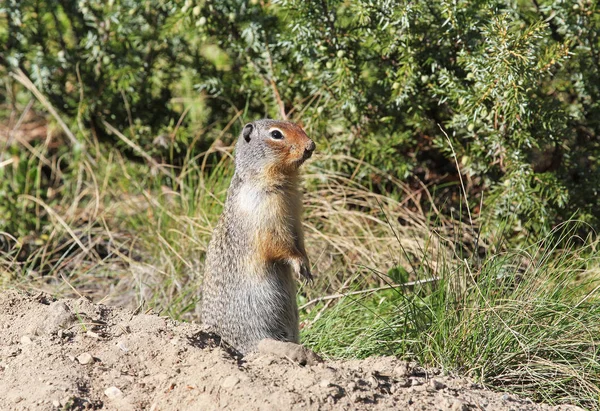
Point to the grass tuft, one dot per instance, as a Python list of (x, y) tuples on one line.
[(526, 322)]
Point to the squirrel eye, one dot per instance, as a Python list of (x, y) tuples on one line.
[(276, 135)]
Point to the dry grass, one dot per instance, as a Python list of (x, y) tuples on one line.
[(120, 235), (123, 237)]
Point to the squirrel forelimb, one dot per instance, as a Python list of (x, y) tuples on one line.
[(301, 267), (275, 246)]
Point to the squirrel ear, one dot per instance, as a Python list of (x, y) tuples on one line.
[(247, 131)]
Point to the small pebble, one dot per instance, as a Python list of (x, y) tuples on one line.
[(113, 393), (402, 371), (415, 382), (56, 403), (85, 358), (373, 381), (360, 397), (25, 340), (93, 335), (230, 382), (122, 347)]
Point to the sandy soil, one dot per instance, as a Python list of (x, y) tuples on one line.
[(72, 354)]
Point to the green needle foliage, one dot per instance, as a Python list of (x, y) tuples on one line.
[(515, 85)]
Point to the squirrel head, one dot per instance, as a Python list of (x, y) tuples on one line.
[(271, 150)]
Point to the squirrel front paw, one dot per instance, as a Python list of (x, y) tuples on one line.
[(301, 267)]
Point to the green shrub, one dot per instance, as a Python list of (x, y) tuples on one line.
[(514, 85), (517, 96), (117, 61)]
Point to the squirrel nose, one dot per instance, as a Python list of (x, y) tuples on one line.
[(308, 150)]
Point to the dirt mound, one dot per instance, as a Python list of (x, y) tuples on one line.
[(72, 354)]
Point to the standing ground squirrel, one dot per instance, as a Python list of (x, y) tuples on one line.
[(249, 291)]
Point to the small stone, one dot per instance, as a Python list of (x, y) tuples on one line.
[(56, 403), (230, 382), (401, 371), (373, 381), (415, 382), (59, 316), (324, 383), (113, 393), (420, 388), (122, 347), (26, 340), (85, 358), (459, 405), (92, 334), (60, 333), (290, 351), (17, 399)]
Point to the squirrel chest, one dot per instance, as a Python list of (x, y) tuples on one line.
[(274, 220)]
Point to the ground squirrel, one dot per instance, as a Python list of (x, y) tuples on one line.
[(249, 291)]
